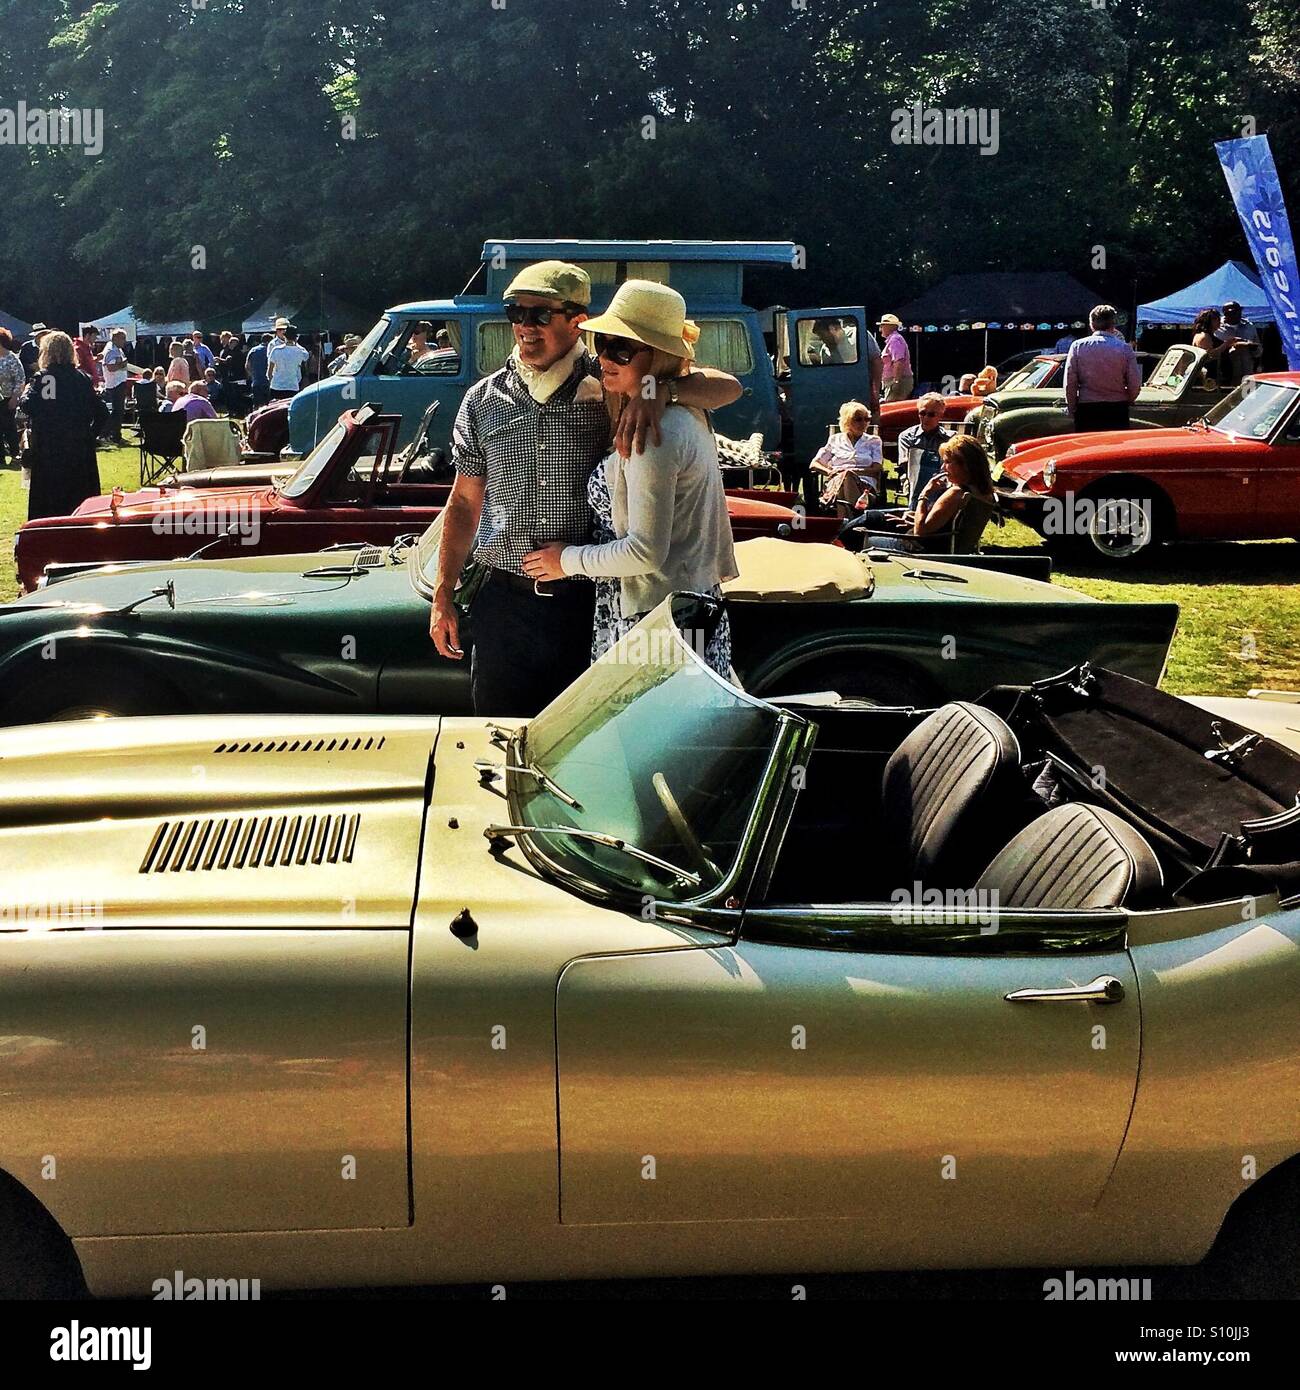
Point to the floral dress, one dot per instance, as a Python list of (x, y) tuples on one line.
[(610, 624)]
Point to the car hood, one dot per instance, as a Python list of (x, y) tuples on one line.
[(240, 821), (1055, 396), (259, 581), (1111, 448), (149, 501)]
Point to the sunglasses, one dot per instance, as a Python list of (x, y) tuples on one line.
[(618, 350), (931, 410), (533, 315)]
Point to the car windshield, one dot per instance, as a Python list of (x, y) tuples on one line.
[(658, 752), (309, 469), (1174, 368), (1031, 375), (361, 353), (1252, 410)]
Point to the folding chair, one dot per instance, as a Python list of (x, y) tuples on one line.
[(161, 444)]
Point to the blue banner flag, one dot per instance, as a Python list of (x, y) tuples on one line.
[(1252, 176)]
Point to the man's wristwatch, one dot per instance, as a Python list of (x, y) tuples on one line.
[(673, 397)]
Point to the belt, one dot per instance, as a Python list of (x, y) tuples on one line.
[(539, 587)]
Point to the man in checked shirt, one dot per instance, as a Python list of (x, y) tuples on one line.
[(525, 442)]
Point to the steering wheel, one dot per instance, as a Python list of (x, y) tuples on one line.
[(699, 859)]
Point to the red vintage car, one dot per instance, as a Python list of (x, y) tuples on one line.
[(1038, 373), (352, 487), (1233, 475)]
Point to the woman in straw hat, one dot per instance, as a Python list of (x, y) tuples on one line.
[(662, 522)]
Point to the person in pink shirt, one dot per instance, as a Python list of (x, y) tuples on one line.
[(897, 359)]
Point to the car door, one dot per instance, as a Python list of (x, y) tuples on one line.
[(823, 376), (845, 1064), (1277, 493)]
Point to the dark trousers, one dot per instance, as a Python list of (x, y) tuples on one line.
[(1101, 415), (8, 432), (852, 535), (524, 648), (115, 400)]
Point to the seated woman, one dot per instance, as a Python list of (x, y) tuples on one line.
[(851, 460), (955, 505), (1205, 330), (661, 514)]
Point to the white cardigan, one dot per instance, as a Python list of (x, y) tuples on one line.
[(670, 516)]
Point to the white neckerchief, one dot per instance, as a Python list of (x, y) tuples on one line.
[(542, 385)]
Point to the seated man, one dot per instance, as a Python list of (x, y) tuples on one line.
[(918, 462), (196, 405), (175, 390)]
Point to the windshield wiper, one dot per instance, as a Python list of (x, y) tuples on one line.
[(488, 770), (498, 834)]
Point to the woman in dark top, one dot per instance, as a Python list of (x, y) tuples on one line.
[(65, 412), (954, 507)]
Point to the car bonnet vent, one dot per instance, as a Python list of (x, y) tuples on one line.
[(251, 842), (303, 745), (369, 556)]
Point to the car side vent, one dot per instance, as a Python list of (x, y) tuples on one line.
[(251, 842), (305, 745)]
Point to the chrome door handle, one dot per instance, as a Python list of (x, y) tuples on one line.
[(1105, 989)]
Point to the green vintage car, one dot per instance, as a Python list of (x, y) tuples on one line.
[(669, 980), (346, 631), (1176, 393)]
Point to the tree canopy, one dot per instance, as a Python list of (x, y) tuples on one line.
[(250, 147)]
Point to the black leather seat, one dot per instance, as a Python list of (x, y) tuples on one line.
[(1077, 857), (951, 793)]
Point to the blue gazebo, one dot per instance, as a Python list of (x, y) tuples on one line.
[(1232, 280)]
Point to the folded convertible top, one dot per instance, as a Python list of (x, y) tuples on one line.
[(1209, 788)]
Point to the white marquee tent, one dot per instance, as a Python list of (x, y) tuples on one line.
[(137, 327)]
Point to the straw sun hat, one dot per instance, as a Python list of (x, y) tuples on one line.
[(648, 313)]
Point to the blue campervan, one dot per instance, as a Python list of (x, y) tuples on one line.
[(793, 386)]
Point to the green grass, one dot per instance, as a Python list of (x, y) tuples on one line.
[(117, 468), (1240, 603)]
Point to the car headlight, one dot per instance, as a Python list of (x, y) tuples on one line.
[(1049, 474)]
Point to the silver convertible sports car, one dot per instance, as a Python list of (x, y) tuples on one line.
[(668, 980)]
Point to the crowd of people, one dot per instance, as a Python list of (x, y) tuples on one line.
[(62, 395), (569, 470)]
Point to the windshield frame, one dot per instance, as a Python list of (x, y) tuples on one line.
[(746, 878), (1238, 396), (1018, 380), (316, 460), (360, 354)]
